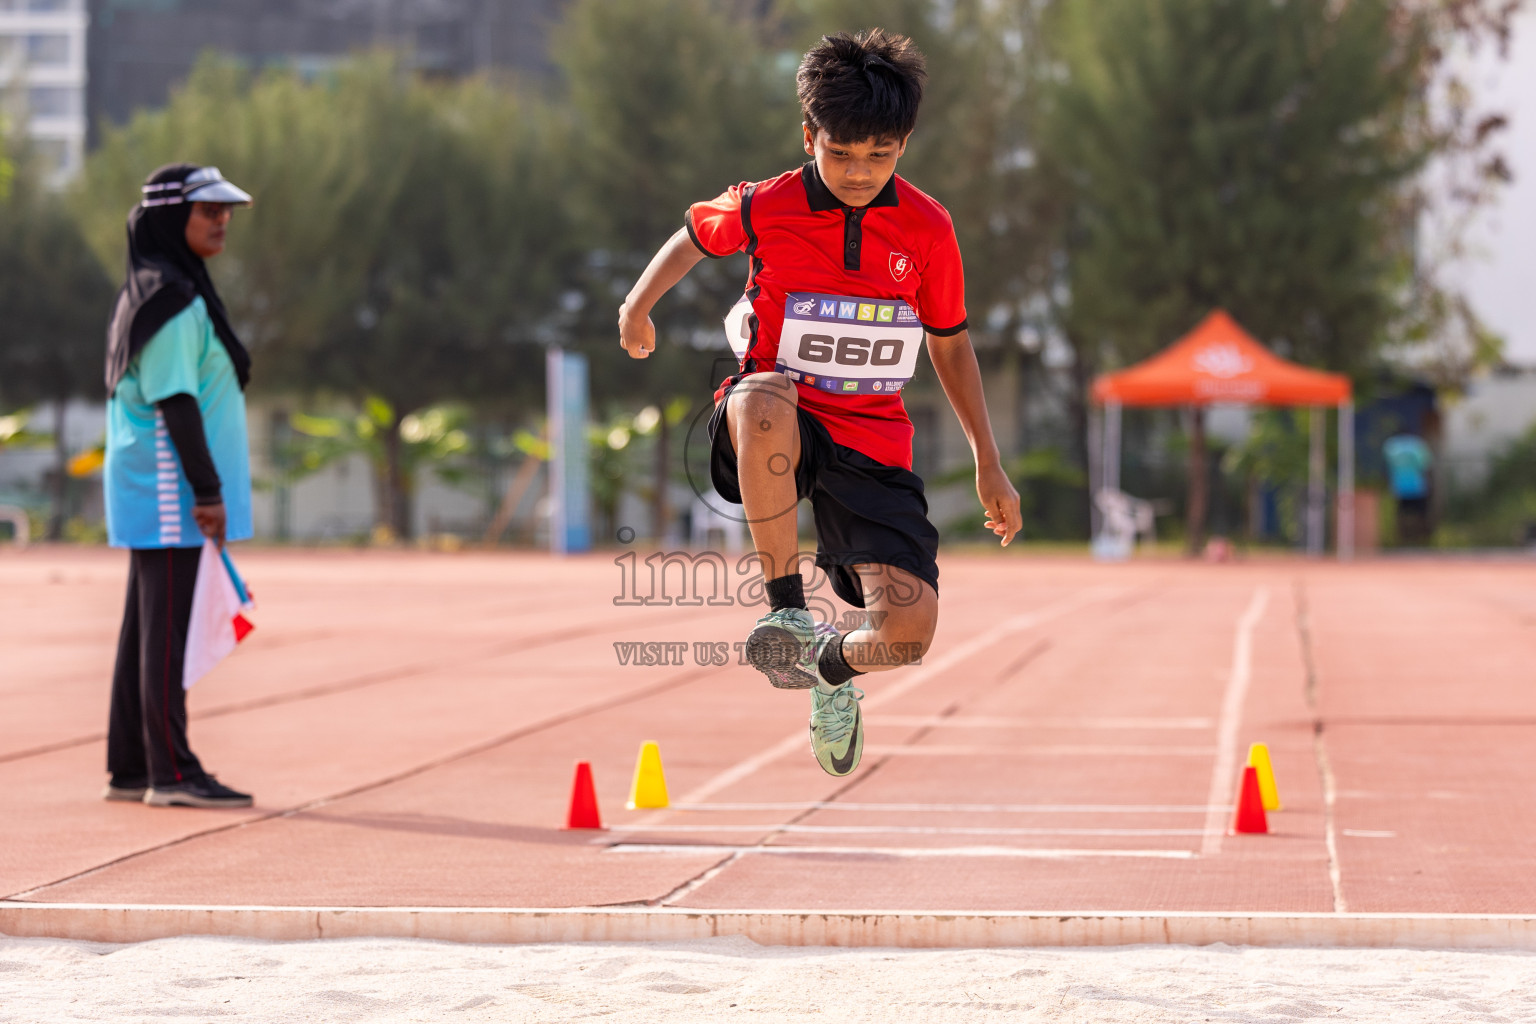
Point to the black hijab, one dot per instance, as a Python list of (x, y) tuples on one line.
[(164, 276)]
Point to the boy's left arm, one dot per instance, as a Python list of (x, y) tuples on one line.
[(955, 362)]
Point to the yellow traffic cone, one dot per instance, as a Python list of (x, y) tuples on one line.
[(1258, 756), (650, 786)]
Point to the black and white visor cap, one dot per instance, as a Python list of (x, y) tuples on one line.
[(204, 185)]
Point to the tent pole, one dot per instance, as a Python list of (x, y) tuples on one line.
[(1346, 517), (1095, 468), (1315, 471), (1111, 446)]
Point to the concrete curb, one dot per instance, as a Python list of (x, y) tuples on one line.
[(101, 922)]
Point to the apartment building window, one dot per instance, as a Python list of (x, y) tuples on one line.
[(48, 50), (53, 101)]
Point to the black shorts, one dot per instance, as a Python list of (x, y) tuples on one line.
[(866, 512)]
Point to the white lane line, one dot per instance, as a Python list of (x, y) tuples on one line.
[(1042, 750), (698, 882), (912, 678), (908, 830), (830, 805), (1027, 722), (1222, 779), (921, 674), (1330, 820), (896, 851), (1369, 833)]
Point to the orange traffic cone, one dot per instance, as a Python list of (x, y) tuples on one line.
[(583, 812), (1250, 805)]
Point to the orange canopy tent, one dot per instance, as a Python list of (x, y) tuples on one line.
[(1219, 362)]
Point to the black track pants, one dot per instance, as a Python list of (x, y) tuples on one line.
[(147, 733)]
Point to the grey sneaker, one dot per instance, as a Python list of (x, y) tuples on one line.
[(784, 646), (837, 728), (204, 792), (132, 794)]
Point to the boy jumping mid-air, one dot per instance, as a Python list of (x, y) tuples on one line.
[(851, 267)]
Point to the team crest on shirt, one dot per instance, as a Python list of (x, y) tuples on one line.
[(899, 265)]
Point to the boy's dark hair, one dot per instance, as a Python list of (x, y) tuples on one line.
[(862, 85)]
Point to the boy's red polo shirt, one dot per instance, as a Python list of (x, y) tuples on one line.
[(802, 238)]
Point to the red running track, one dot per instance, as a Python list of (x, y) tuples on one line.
[(409, 724)]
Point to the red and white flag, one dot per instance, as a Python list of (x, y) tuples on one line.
[(219, 602)]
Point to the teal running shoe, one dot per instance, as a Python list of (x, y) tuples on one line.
[(784, 646), (837, 728)]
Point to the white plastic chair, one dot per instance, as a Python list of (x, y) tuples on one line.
[(1124, 519)]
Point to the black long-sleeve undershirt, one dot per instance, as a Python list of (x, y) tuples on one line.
[(184, 422)]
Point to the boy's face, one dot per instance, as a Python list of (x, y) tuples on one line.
[(855, 172)]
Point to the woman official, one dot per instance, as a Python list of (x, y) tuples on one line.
[(177, 470)]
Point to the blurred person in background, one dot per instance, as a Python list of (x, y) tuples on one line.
[(1408, 462), (177, 470)]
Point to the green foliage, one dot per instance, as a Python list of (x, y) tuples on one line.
[(1240, 155), (434, 437), (615, 455), (55, 297), (54, 304), (406, 240), (1503, 511), (1275, 454), (1257, 157), (1115, 168), (1275, 451), (7, 162), (16, 432), (621, 447), (670, 102), (1050, 489), (402, 243)]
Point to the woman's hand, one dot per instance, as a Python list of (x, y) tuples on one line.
[(211, 520)]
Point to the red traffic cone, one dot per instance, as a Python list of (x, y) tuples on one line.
[(583, 812), (1250, 804)]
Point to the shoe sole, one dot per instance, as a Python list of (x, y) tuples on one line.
[(774, 651), (135, 796), (177, 799)]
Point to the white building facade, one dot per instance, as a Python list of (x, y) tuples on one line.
[(43, 77)]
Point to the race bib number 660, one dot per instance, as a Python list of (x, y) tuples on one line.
[(846, 345)]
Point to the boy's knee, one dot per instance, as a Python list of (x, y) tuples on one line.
[(764, 397)]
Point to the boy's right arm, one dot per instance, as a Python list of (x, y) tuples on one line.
[(670, 265)]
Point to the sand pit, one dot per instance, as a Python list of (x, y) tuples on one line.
[(45, 980)]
